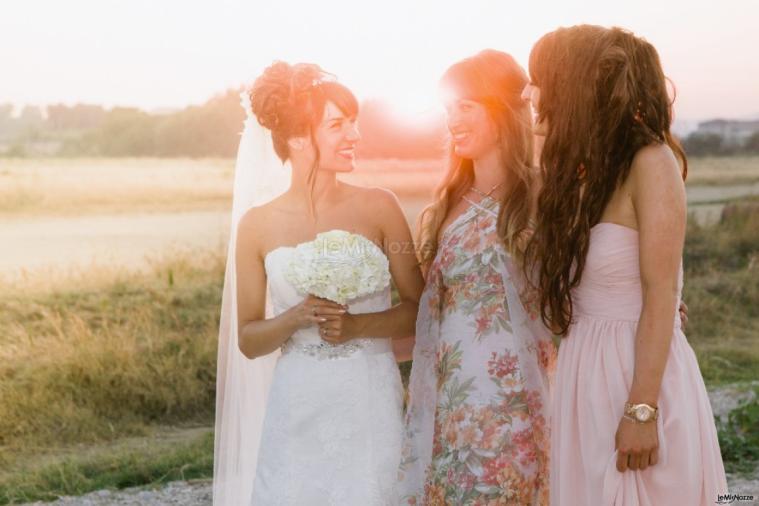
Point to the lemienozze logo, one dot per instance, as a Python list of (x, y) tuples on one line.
[(731, 498)]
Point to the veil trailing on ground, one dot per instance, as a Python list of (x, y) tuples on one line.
[(242, 385)]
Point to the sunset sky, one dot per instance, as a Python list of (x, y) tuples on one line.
[(171, 53)]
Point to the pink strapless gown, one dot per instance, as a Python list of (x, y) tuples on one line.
[(594, 376)]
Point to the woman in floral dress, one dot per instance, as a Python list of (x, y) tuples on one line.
[(476, 424)]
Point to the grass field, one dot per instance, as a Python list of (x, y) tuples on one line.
[(81, 186), (99, 360), (61, 186), (166, 454), (722, 291), (107, 375), (723, 170)]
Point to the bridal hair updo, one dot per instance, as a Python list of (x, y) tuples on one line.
[(495, 80), (603, 97), (289, 100)]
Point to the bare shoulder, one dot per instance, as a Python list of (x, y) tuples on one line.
[(655, 172), (655, 162), (259, 215), (382, 198), (253, 226), (373, 198), (253, 217), (382, 208), (657, 189)]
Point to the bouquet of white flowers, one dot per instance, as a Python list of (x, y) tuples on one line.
[(339, 266)]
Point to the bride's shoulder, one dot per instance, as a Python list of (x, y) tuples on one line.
[(248, 229), (254, 216), (256, 221), (384, 208), (261, 214), (375, 197), (257, 228)]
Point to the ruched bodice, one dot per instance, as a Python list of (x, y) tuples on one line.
[(610, 288)]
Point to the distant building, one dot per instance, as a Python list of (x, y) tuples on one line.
[(733, 132)]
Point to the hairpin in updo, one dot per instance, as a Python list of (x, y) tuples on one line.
[(325, 77), (310, 77)]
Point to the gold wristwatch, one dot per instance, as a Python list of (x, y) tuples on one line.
[(641, 413)]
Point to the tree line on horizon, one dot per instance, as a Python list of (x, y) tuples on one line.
[(212, 130), (208, 130), (712, 144)]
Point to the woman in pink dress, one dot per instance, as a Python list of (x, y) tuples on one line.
[(631, 422)]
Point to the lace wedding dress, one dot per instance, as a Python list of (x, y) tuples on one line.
[(332, 429)]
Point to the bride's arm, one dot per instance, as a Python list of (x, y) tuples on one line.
[(258, 336), (403, 348), (400, 320)]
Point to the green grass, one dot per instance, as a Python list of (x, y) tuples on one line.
[(722, 293), (111, 468), (739, 436)]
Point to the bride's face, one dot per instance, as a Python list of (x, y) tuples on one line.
[(472, 130), (336, 137)]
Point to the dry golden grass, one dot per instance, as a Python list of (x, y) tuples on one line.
[(108, 358), (63, 186)]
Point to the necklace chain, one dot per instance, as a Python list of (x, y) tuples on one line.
[(482, 193)]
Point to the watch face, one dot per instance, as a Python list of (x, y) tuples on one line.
[(642, 413)]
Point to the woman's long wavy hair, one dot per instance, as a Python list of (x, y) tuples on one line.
[(495, 80), (603, 97)]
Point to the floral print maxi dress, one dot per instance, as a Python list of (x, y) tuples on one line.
[(476, 424)]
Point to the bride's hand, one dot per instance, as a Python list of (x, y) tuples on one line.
[(637, 445), (338, 327), (314, 310)]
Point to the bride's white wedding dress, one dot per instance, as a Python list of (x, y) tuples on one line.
[(333, 426)]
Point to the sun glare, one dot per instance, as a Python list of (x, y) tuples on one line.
[(415, 106)]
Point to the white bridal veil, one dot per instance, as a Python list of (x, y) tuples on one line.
[(242, 385)]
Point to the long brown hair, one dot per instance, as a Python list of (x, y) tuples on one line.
[(495, 80), (603, 97)]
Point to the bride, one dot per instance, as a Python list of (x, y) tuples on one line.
[(309, 395)]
